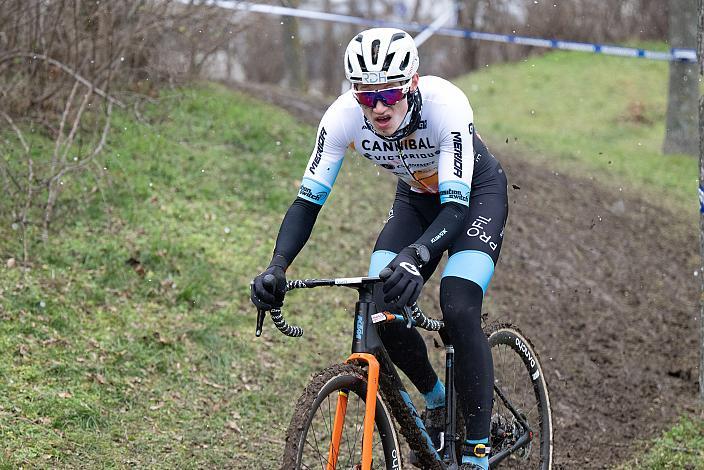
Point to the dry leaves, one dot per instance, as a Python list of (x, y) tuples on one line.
[(23, 350), (137, 266), (213, 384), (233, 426), (100, 378)]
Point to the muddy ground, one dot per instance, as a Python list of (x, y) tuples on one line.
[(603, 283)]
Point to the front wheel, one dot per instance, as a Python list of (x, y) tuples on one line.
[(308, 439), (521, 422)]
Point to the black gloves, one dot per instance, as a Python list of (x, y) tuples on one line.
[(402, 279), (268, 292)]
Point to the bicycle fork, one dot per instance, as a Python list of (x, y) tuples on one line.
[(369, 413), (363, 342)]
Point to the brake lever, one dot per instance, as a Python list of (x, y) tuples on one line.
[(268, 280), (261, 313), (407, 314)]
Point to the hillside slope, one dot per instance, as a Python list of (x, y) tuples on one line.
[(130, 340), (602, 281)]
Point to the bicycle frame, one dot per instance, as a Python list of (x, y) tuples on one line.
[(367, 348)]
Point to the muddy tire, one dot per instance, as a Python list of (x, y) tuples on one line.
[(308, 435), (519, 376)]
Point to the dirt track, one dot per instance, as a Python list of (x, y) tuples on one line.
[(603, 284)]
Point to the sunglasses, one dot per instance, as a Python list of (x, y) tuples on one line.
[(388, 96)]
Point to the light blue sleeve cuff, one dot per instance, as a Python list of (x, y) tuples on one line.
[(313, 191), (454, 191)]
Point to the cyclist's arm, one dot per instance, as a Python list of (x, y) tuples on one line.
[(323, 166), (455, 167), (295, 231)]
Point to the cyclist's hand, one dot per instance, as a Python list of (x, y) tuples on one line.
[(402, 279), (267, 294)]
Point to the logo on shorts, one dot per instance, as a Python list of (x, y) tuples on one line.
[(391, 215), (477, 230)]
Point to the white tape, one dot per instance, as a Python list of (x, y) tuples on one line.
[(434, 26), (341, 281), (685, 55)]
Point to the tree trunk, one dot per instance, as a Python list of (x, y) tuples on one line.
[(467, 18), (700, 55), (294, 57), (331, 56), (681, 128)]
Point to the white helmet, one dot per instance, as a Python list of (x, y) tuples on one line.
[(381, 55)]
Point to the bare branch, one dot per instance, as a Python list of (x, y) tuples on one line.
[(9, 177), (98, 148), (76, 122), (104, 136), (59, 137), (29, 188), (27, 206), (55, 181), (64, 68), (20, 136)]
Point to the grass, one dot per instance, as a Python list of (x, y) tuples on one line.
[(129, 341), (601, 116), (680, 447)]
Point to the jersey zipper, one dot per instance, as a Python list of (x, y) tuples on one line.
[(408, 169)]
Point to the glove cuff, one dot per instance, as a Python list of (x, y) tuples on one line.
[(419, 253), (279, 261)]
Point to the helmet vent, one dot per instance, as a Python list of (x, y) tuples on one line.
[(387, 61), (405, 62), (375, 50), (398, 36), (389, 53), (362, 64)]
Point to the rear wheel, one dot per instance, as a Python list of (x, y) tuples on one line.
[(309, 434), (521, 422)]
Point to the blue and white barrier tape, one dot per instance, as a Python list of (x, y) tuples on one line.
[(701, 199), (675, 54)]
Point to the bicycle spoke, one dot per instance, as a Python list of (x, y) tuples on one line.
[(316, 446), (311, 431), (514, 366)]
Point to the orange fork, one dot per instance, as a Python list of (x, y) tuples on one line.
[(369, 414), (339, 422)]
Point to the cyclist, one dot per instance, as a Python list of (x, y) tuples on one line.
[(451, 196)]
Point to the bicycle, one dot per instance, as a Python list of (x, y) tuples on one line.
[(332, 426)]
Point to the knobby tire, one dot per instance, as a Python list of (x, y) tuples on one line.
[(519, 374), (308, 435)]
